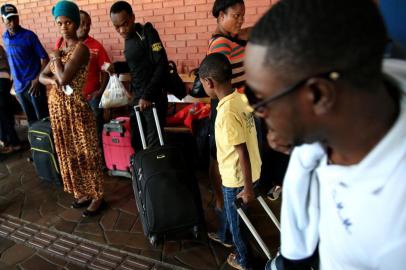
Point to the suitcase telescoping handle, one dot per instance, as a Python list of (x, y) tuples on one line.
[(238, 204), (158, 127), (269, 212)]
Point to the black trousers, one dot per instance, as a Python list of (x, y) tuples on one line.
[(148, 124), (8, 133)]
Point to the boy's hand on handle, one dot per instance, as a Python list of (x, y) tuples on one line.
[(247, 195), (144, 104)]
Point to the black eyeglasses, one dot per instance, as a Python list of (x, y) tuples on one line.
[(258, 105)]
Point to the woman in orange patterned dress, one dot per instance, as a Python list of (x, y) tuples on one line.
[(73, 123)]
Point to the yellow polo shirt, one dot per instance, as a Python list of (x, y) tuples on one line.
[(235, 125)]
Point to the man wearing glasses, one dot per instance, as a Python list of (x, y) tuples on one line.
[(315, 74)]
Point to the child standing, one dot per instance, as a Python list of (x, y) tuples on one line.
[(237, 147)]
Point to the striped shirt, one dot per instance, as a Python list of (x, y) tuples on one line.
[(235, 53)]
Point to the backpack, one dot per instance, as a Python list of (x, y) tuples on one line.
[(173, 83), (197, 90)]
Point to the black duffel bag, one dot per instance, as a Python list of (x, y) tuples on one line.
[(174, 84), (197, 90)]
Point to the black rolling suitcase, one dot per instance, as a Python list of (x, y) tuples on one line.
[(165, 188), (43, 151)]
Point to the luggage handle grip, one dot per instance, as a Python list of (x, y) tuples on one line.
[(137, 109), (238, 204), (115, 121)]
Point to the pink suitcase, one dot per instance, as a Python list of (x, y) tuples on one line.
[(117, 146)]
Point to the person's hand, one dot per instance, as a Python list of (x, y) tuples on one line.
[(277, 144), (144, 104), (34, 88), (244, 33), (55, 82), (109, 69), (94, 95), (54, 54), (247, 195)]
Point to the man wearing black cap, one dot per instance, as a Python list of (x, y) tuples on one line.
[(27, 57)]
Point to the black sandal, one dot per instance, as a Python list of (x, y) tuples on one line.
[(77, 204), (89, 213)]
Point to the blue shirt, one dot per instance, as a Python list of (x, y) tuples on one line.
[(25, 52)]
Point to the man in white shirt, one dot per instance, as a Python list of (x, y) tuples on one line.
[(315, 74)]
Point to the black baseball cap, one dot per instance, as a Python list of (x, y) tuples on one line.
[(8, 10)]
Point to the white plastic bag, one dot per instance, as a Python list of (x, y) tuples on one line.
[(115, 94)]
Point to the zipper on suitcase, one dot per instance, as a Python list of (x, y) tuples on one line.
[(44, 134), (52, 157)]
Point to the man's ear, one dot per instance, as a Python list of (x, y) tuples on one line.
[(322, 95), (207, 83), (221, 15)]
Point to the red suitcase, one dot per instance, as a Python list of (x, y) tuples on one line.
[(117, 146)]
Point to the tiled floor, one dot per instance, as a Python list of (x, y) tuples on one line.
[(27, 201), (19, 256)]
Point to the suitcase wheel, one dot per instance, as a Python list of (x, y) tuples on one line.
[(196, 232), (153, 239)]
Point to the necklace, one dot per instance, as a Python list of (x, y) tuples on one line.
[(69, 48)]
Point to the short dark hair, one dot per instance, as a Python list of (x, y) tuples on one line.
[(217, 67), (119, 6), (222, 5), (85, 13), (305, 37)]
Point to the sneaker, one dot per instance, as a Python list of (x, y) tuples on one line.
[(232, 261), (16, 148), (213, 236), (6, 150), (274, 193)]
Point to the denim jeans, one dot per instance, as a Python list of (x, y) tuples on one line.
[(234, 220), (223, 232), (98, 113), (8, 133), (35, 108)]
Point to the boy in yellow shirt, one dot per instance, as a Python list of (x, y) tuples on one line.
[(237, 147)]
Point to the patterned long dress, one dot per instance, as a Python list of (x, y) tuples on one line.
[(74, 131)]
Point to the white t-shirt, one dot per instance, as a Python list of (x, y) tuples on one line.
[(362, 218)]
